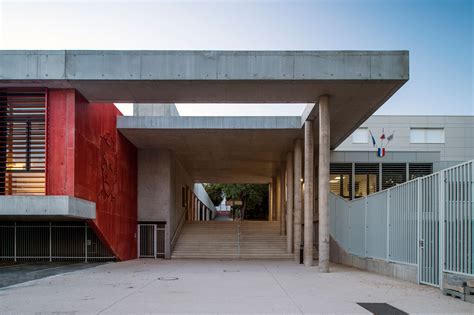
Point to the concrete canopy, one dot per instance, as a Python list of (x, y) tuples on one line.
[(358, 83), (218, 149)]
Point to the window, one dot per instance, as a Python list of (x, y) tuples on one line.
[(361, 135), (22, 142), (340, 181), (419, 169), (393, 174), (426, 135), (366, 179)]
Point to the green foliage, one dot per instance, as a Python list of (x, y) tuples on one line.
[(215, 193), (254, 197)]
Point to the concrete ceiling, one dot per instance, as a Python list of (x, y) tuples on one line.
[(222, 156), (226, 155)]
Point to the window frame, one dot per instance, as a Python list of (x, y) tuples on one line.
[(366, 141), (425, 135)]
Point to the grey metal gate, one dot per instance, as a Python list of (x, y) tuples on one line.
[(429, 229), (151, 240)]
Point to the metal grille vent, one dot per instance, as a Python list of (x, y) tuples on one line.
[(22, 142), (419, 170), (393, 174), (365, 168)]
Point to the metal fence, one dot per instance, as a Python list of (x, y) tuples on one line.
[(402, 224), (50, 241)]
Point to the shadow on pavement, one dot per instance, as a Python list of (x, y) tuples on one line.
[(11, 274)]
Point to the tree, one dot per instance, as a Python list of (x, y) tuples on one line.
[(253, 196), (215, 193)]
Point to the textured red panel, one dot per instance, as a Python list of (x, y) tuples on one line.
[(60, 157), (105, 170)]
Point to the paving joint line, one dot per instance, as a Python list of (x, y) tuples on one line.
[(283, 289), (132, 293)]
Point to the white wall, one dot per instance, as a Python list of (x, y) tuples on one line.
[(459, 136)]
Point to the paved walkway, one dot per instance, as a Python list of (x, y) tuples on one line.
[(212, 286)]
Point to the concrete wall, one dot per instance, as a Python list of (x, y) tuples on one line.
[(458, 146), (154, 185), (394, 270), (141, 109), (202, 195), (161, 178)]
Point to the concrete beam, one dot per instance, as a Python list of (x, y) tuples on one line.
[(83, 65), (46, 207), (150, 122)]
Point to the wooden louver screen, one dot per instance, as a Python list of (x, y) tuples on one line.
[(22, 142)]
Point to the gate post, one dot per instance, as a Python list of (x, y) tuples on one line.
[(154, 241), (14, 242), (419, 253), (85, 243), (388, 225), (441, 226), (50, 244), (138, 241)]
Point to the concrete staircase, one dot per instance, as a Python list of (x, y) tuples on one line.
[(233, 240)]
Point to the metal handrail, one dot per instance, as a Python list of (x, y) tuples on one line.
[(178, 229)]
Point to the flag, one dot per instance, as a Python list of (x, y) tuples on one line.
[(381, 152), (382, 137), (373, 139), (390, 138)]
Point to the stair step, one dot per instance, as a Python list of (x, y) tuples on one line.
[(220, 240)]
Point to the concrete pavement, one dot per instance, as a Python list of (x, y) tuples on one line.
[(227, 286)]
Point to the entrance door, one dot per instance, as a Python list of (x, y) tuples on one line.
[(151, 240), (429, 270)]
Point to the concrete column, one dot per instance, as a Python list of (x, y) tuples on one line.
[(195, 210), (308, 192), (278, 197), (282, 200), (289, 202), (270, 202), (323, 182), (274, 197), (297, 198)]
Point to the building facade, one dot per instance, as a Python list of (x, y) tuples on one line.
[(413, 146)]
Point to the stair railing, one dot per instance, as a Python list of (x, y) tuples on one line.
[(178, 230)]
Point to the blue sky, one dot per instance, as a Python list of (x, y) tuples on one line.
[(438, 34)]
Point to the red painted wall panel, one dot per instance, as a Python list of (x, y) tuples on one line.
[(60, 142), (105, 170)]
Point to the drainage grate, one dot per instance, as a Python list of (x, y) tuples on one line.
[(168, 278), (382, 308)]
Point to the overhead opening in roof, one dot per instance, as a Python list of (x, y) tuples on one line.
[(229, 109)]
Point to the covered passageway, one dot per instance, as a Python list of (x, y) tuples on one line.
[(345, 86)]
